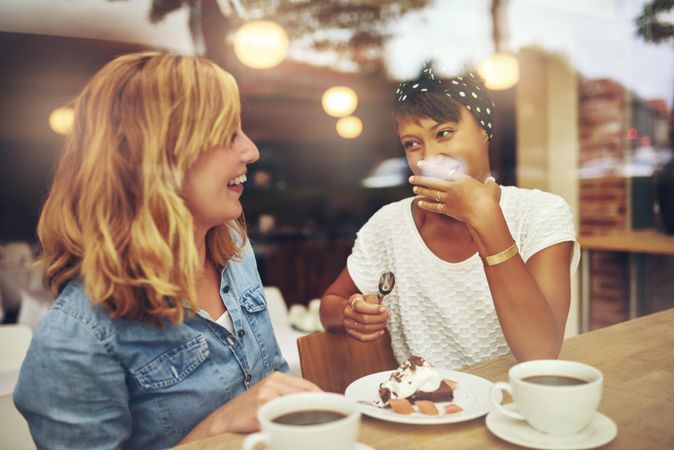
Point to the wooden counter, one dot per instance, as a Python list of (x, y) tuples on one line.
[(640, 245), (636, 358), (638, 241)]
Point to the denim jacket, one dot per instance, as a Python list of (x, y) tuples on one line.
[(92, 382)]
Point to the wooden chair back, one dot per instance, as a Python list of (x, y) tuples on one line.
[(332, 361)]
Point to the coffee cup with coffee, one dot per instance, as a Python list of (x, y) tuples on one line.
[(306, 421), (556, 397)]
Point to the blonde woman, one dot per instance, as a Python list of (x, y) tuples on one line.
[(160, 333)]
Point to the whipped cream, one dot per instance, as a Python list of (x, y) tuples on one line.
[(415, 374)]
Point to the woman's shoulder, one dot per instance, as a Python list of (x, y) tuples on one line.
[(73, 313), (393, 211), (74, 301), (522, 200), (386, 220), (525, 194), (538, 220)]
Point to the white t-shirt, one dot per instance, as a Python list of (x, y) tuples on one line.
[(225, 321), (443, 311)]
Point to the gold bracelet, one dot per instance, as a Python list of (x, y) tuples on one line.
[(500, 257)]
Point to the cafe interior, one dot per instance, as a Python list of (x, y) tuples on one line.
[(583, 93)]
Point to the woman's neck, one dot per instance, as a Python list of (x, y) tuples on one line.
[(201, 249), (428, 219), (447, 238)]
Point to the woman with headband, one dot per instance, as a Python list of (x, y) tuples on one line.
[(160, 333), (481, 269)]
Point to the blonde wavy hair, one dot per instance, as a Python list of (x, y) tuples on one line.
[(115, 215)]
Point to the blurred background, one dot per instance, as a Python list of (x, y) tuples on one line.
[(583, 92)]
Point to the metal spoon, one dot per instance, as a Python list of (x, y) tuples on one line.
[(386, 283)]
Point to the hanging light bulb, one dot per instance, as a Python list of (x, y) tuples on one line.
[(339, 101), (261, 44), (500, 71), (61, 120), (349, 127)]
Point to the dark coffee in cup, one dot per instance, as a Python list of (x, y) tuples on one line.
[(309, 417), (307, 421), (554, 380)]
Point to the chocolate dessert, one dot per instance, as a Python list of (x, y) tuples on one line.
[(444, 393), (416, 380)]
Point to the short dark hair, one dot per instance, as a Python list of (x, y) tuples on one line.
[(442, 99), (433, 104)]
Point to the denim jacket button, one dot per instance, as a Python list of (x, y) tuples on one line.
[(248, 378), (241, 333), (225, 289)]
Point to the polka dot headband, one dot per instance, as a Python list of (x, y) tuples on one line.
[(466, 89)]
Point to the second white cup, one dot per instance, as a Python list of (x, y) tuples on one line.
[(556, 397)]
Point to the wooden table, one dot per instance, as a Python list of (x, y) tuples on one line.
[(636, 357), (639, 244)]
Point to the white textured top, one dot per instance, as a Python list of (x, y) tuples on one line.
[(443, 311)]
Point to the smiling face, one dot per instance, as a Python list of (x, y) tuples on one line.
[(463, 140), (213, 184)]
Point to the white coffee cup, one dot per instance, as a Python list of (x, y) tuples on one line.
[(556, 409), (340, 434)]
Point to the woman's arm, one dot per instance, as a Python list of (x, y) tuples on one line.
[(343, 308), (240, 414), (531, 300), (72, 392)]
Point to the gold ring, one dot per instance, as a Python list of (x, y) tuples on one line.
[(354, 301), (437, 197), (355, 325)]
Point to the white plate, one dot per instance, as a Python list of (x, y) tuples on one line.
[(600, 431), (471, 394)]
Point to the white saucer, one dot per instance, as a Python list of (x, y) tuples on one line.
[(600, 431), (361, 446)]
